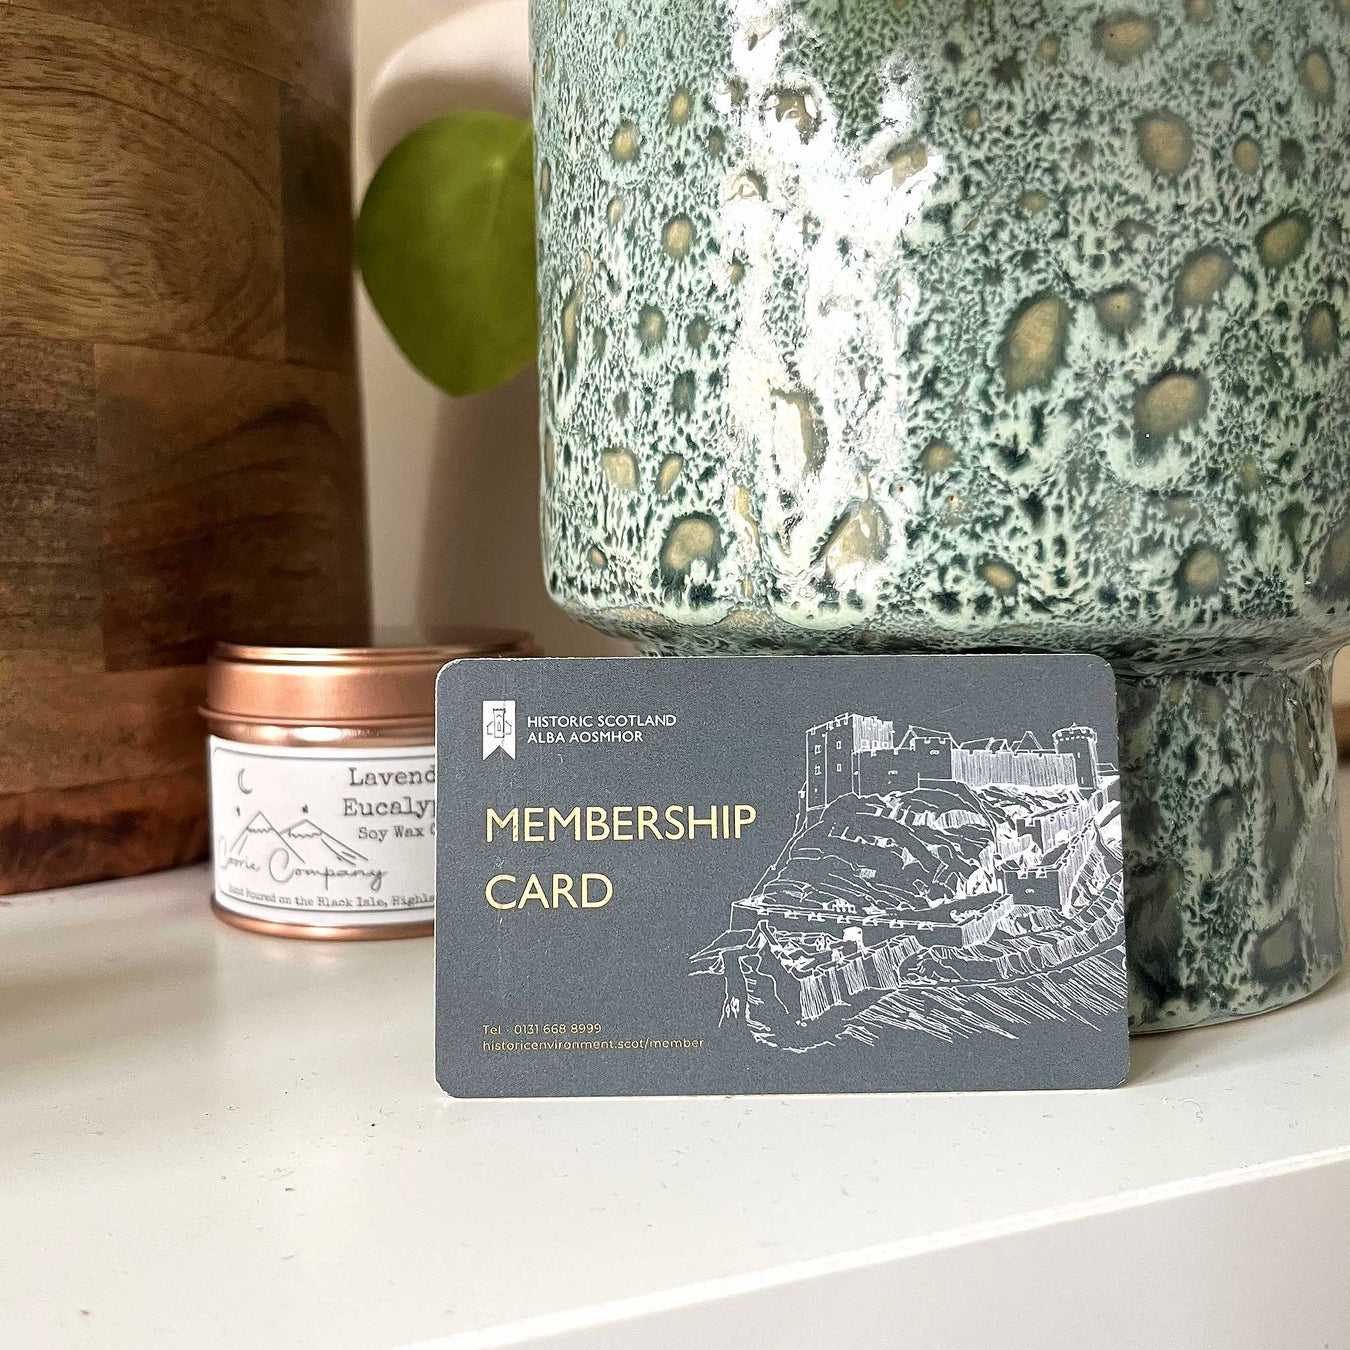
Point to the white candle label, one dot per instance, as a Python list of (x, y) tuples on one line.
[(339, 836)]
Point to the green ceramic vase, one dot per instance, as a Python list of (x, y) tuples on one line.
[(895, 325)]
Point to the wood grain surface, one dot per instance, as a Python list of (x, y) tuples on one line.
[(68, 723), (231, 504), (52, 838), (50, 588), (179, 455), (303, 43), (141, 198), (317, 217)]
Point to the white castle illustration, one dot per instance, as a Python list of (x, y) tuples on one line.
[(938, 884), (859, 755)]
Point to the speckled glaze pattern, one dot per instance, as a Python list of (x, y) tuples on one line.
[(947, 324), (1228, 795)]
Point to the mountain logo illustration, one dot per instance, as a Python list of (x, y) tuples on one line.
[(302, 842), (308, 832), (260, 839)]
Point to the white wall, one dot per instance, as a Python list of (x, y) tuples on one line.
[(452, 483)]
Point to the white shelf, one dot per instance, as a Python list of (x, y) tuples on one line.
[(211, 1139)]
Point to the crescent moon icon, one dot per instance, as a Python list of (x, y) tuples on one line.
[(247, 791)]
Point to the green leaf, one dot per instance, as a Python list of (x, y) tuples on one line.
[(445, 244)]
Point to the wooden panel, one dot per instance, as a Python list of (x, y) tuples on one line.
[(306, 43), (113, 829), (65, 722), (175, 182), (142, 191), (50, 592), (231, 505), (317, 203)]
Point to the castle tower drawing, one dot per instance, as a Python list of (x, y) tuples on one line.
[(832, 754), (1081, 743)]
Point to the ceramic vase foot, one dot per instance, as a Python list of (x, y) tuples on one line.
[(1232, 843)]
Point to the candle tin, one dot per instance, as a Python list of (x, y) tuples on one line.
[(323, 783)]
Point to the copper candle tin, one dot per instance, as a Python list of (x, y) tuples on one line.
[(322, 766)]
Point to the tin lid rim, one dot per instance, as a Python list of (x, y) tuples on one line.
[(385, 688), (474, 642), (398, 723)]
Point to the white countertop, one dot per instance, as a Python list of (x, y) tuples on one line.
[(211, 1139)]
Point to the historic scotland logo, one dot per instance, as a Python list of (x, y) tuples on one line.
[(499, 727)]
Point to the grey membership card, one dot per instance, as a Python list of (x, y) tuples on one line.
[(778, 874)]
